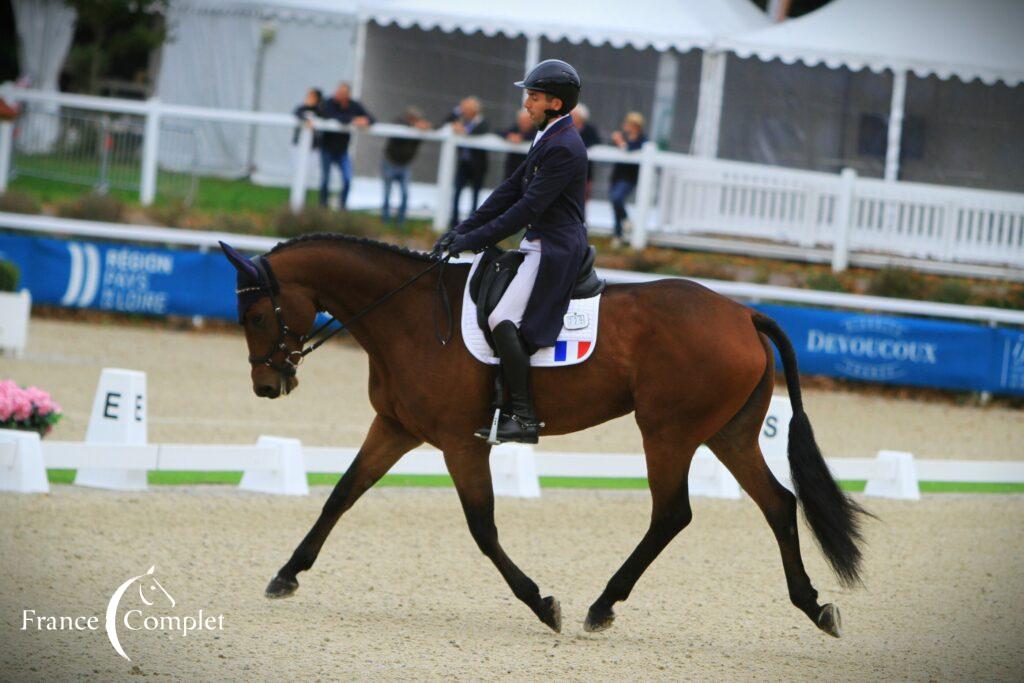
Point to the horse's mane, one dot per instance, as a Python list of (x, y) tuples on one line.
[(352, 239)]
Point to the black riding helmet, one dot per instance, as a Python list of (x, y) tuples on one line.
[(556, 78)]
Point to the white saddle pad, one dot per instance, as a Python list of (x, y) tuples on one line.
[(575, 342)]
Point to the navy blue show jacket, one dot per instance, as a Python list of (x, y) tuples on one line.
[(545, 195)]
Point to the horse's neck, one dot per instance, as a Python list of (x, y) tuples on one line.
[(349, 278)]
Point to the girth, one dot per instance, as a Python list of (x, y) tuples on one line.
[(496, 269)]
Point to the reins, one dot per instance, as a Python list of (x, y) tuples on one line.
[(267, 282)]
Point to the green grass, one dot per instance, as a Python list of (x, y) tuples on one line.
[(177, 478)]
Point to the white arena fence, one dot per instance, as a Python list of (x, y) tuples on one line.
[(683, 200), (278, 466), (116, 455)]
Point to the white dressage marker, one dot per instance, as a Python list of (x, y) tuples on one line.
[(514, 471), (15, 309), (709, 477), (894, 476), (21, 462), (118, 417), (287, 473)]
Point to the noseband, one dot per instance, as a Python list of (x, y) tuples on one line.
[(268, 286)]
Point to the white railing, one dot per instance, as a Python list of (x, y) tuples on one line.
[(705, 196), (754, 208), (203, 241)]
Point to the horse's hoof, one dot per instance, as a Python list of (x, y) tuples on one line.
[(281, 588), (830, 621), (551, 613), (598, 620)]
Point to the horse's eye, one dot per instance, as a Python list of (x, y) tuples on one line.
[(257, 319)]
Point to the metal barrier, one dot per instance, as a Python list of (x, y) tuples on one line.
[(100, 150)]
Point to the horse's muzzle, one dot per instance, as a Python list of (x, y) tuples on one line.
[(284, 385)]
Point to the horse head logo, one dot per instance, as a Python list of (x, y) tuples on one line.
[(150, 591)]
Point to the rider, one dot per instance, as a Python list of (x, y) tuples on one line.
[(545, 195)]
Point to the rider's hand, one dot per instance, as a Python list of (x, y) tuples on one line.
[(458, 245), (443, 243)]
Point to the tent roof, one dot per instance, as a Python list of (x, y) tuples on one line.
[(977, 39), (661, 24)]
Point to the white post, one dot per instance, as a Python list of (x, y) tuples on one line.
[(664, 98), (844, 211), (532, 52), (297, 198), (709, 104), (360, 53), (892, 150), (445, 181), (644, 194), (6, 149), (150, 150)]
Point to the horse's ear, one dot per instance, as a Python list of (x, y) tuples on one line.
[(241, 263)]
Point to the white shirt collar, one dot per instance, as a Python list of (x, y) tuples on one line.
[(551, 123)]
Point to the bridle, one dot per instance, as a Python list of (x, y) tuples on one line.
[(269, 287)]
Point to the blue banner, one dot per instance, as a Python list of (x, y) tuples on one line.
[(123, 278), (900, 350), (868, 347)]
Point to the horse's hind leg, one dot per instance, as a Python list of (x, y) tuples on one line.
[(471, 472), (736, 446), (386, 442), (668, 453)]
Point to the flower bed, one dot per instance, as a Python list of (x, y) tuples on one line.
[(27, 408)]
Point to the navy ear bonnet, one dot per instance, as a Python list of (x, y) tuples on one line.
[(254, 281)]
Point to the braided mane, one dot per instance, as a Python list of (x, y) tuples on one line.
[(352, 239)]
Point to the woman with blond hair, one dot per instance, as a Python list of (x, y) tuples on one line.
[(624, 176)]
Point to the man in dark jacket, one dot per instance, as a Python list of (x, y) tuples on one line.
[(468, 119), (395, 166), (545, 196), (334, 145), (589, 135)]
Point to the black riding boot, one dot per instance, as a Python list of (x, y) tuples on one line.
[(518, 422)]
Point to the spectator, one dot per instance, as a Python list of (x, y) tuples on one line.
[(395, 166), (590, 137), (524, 130), (468, 119), (334, 145), (306, 111), (624, 176)]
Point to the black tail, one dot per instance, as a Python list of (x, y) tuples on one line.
[(833, 516)]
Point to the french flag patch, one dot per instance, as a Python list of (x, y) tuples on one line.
[(571, 351)]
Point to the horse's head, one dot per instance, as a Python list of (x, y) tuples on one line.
[(150, 589), (271, 312)]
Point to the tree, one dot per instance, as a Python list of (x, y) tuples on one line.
[(114, 38)]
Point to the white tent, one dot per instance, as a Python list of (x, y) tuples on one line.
[(641, 55), (933, 40)]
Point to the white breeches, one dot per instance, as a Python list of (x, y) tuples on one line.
[(513, 301)]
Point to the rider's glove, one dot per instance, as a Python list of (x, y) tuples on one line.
[(458, 245), (443, 243)]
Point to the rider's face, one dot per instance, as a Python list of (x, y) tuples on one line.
[(537, 102)]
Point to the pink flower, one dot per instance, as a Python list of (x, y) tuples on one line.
[(22, 408), (6, 407)]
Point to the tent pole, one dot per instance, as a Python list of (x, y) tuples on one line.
[(360, 54), (664, 98), (532, 52), (892, 151), (709, 104)]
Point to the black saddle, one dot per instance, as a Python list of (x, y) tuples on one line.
[(498, 267)]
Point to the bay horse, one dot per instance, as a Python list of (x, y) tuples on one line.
[(694, 366)]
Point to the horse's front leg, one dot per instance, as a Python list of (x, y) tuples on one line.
[(471, 472), (386, 442)]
